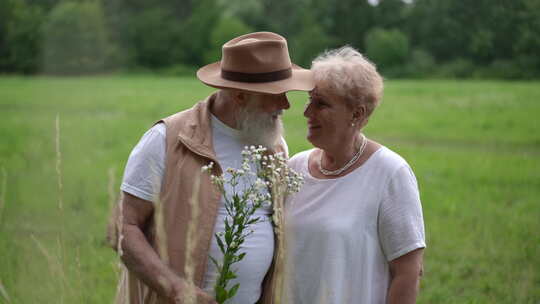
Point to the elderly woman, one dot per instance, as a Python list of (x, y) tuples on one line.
[(355, 229)]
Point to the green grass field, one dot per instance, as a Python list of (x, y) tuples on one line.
[(474, 146)]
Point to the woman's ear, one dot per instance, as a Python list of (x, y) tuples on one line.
[(359, 113)]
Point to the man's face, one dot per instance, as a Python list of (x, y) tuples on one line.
[(260, 119), (269, 103)]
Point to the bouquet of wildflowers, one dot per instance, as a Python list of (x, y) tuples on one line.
[(266, 179)]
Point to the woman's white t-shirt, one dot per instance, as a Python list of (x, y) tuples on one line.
[(342, 232)]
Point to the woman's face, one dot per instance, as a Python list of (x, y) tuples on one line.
[(329, 119)]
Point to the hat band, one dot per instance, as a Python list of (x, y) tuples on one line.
[(257, 77)]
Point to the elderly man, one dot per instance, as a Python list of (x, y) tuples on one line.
[(253, 76)]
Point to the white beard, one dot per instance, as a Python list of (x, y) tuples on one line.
[(259, 128)]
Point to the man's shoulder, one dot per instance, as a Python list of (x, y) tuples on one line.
[(185, 117), (182, 115)]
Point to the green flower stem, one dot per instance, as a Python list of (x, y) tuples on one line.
[(273, 179)]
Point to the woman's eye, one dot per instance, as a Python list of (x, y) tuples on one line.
[(315, 103)]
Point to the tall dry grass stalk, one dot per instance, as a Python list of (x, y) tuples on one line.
[(115, 224), (120, 269), (288, 266), (3, 193), (59, 164), (111, 193), (3, 290), (4, 293), (117, 219), (59, 181), (191, 242), (79, 274), (60, 239), (115, 235), (120, 226), (279, 268), (161, 235), (56, 267), (189, 267), (62, 266)]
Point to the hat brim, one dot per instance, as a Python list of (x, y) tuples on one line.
[(301, 80)]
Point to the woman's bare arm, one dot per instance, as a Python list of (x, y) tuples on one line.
[(405, 272)]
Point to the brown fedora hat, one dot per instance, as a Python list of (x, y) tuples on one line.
[(257, 62)]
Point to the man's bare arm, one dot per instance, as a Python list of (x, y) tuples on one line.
[(140, 258), (406, 272)]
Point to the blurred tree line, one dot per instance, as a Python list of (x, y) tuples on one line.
[(418, 38)]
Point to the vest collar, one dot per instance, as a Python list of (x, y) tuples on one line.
[(197, 131)]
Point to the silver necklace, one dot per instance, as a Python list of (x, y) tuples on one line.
[(347, 165)]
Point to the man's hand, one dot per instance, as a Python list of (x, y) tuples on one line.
[(141, 259), (181, 290)]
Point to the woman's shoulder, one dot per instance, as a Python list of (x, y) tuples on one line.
[(389, 160), (299, 158)]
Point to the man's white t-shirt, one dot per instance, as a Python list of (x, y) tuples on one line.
[(143, 176), (342, 232)]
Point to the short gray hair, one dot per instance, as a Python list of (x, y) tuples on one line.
[(349, 75)]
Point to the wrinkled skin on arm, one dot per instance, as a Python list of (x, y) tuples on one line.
[(139, 256), (405, 272)]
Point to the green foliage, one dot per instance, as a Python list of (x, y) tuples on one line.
[(226, 29), (457, 68), (480, 31), (387, 48), (135, 34), (420, 64), (5, 16), (529, 65), (22, 52), (248, 11), (282, 17), (528, 40), (303, 48), (482, 44), (155, 37), (346, 21), (500, 69), (178, 70), (196, 31), (75, 38)]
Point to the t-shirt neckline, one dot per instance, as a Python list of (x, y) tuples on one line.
[(352, 173), (222, 128)]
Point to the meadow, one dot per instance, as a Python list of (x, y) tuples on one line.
[(473, 145)]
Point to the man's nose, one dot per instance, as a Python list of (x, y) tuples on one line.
[(283, 102)]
